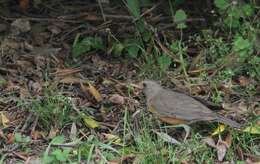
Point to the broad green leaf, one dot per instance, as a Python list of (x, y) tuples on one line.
[(180, 15), (133, 48), (82, 46), (140, 26), (133, 51), (134, 7), (164, 62), (248, 10), (97, 43), (240, 44), (174, 47), (231, 22), (61, 155), (221, 4), (18, 137), (146, 35), (58, 140), (118, 48), (48, 159)]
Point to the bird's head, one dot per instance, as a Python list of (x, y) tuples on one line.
[(151, 88)]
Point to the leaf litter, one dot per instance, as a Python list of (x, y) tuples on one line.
[(37, 64)]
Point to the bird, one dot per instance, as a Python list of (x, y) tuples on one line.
[(178, 108)]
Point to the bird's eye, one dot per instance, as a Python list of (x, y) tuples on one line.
[(144, 84)]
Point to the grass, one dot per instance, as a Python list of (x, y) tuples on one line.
[(226, 51)]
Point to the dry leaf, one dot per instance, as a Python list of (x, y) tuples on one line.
[(70, 80), (10, 138), (73, 132), (33, 160), (66, 71), (117, 99), (113, 138), (221, 149), (243, 81), (22, 25), (37, 135), (240, 153), (24, 4), (165, 137), (228, 139), (53, 132), (92, 90), (209, 141), (4, 120)]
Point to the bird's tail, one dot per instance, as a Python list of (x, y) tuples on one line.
[(228, 121)]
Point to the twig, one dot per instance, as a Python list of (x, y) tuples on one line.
[(147, 11), (102, 11)]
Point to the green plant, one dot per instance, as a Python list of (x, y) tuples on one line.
[(56, 155), (85, 45), (233, 11), (179, 17), (52, 111), (180, 49), (21, 138)]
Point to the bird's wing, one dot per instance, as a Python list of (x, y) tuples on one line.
[(179, 105)]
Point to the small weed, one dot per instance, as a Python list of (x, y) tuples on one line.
[(21, 138), (233, 12), (52, 111), (56, 155), (85, 45)]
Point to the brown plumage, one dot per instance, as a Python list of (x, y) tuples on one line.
[(174, 107)]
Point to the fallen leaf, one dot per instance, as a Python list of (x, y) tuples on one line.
[(228, 139), (73, 132), (243, 81), (65, 72), (113, 138), (90, 122), (24, 4), (240, 152), (33, 160), (70, 80), (209, 141), (249, 161), (37, 135), (218, 130), (221, 149), (92, 90), (4, 120), (22, 25), (117, 99), (10, 138), (165, 137), (53, 132), (252, 129)]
